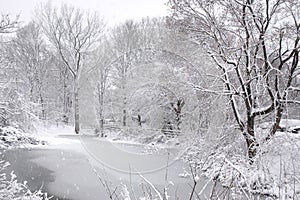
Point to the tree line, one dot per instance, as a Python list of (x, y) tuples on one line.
[(210, 63)]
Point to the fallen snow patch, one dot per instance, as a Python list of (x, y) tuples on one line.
[(11, 137)]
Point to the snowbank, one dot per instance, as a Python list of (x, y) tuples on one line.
[(11, 137), (140, 136), (275, 172)]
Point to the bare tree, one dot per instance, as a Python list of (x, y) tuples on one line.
[(255, 45), (74, 33), (29, 52), (134, 44), (97, 74), (7, 25), (125, 38)]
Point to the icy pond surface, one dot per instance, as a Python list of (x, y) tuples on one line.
[(77, 168)]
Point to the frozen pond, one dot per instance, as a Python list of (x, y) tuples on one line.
[(69, 171)]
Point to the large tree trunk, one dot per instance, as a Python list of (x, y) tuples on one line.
[(251, 141), (252, 146), (76, 105)]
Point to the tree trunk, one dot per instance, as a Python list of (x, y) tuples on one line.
[(178, 108), (139, 118), (124, 117), (101, 120), (76, 106), (252, 146), (101, 123), (43, 114), (251, 141), (276, 123), (65, 98), (101, 90)]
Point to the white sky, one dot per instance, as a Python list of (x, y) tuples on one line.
[(113, 11)]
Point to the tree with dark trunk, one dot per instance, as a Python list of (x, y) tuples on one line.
[(177, 107), (255, 45)]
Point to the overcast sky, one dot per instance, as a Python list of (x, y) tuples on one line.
[(114, 11)]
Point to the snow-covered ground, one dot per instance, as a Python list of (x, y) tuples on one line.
[(11, 137), (55, 135), (275, 172)]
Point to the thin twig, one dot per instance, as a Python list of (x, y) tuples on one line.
[(152, 186)]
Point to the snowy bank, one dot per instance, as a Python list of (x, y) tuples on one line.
[(10, 188), (11, 137), (275, 172)]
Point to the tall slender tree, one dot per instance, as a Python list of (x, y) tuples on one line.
[(74, 34)]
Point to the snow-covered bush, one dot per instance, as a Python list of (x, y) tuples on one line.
[(275, 172), (11, 189), (16, 110), (11, 137)]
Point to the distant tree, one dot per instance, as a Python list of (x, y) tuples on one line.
[(97, 75), (150, 53), (7, 25), (28, 51), (125, 38), (255, 45), (150, 96), (74, 34)]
